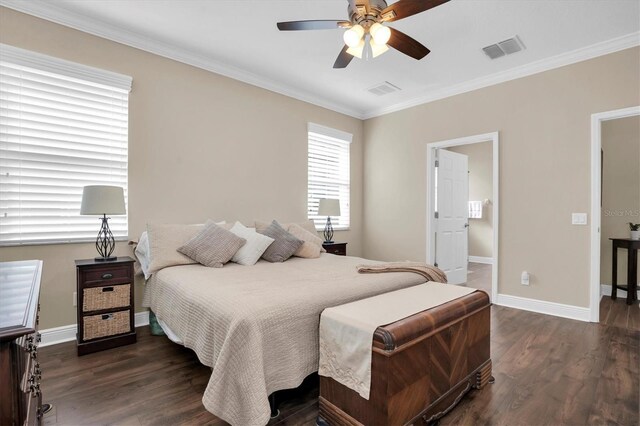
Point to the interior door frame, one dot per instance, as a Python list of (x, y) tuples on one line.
[(494, 138), (596, 181)]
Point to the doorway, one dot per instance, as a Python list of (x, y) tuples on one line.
[(485, 261), (598, 225)]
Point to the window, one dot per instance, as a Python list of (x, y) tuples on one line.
[(62, 126), (328, 173)]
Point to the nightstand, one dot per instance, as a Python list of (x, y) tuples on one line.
[(339, 249), (105, 304)]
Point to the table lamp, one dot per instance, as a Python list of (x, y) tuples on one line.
[(328, 207), (103, 200)]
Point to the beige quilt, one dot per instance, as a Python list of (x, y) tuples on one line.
[(257, 326)]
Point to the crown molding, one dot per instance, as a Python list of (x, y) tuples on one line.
[(561, 60), (59, 15), (51, 12)]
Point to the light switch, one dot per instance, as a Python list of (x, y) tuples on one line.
[(578, 218)]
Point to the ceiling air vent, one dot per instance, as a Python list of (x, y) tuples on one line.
[(383, 89), (506, 47)]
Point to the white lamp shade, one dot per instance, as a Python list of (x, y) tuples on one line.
[(353, 35), (102, 199), (357, 50), (377, 49), (380, 34), (329, 207)]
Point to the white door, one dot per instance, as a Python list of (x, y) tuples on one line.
[(452, 209)]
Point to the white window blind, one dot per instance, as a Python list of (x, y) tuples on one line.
[(62, 126), (329, 173)]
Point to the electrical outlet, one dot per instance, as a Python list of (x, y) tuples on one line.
[(75, 299), (578, 218), (524, 278)]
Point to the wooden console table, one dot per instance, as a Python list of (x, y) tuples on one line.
[(631, 288)]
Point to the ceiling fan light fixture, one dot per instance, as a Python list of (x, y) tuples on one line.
[(365, 32), (358, 50), (380, 33), (377, 49), (353, 36)]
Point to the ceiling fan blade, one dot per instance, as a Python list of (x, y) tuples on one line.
[(407, 45), (343, 58), (313, 25), (405, 8)]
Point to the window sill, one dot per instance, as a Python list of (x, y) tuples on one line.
[(56, 242)]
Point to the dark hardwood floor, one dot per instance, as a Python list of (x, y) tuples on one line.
[(479, 276), (548, 371)]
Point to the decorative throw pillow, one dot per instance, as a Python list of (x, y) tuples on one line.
[(312, 245), (283, 246), (223, 224), (253, 249), (308, 225), (164, 241), (213, 246)]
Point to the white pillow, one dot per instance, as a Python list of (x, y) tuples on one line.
[(254, 247), (142, 253)]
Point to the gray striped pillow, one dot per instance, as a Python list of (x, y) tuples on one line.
[(283, 246), (213, 246)]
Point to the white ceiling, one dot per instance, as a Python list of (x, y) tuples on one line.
[(239, 38)]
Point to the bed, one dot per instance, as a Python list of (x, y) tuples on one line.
[(257, 326)]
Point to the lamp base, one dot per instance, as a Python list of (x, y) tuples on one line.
[(105, 259), (327, 242), (105, 243), (328, 231)]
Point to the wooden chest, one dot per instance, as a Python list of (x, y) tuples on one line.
[(421, 367)]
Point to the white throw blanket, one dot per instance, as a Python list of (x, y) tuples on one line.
[(346, 331), (257, 326)]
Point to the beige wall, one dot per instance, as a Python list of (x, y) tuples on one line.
[(620, 191), (200, 146), (480, 189), (544, 125)]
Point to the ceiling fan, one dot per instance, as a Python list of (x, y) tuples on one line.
[(366, 36)]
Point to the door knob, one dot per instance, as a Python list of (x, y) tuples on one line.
[(466, 225)]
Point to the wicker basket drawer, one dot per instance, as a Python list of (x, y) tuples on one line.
[(96, 326), (107, 297)]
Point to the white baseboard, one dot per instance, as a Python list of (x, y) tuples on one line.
[(67, 333), (543, 307), (605, 290), (481, 259)]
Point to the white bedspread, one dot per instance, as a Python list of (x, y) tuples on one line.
[(346, 331), (257, 326)]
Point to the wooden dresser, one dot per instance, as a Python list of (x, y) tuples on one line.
[(20, 395), (105, 304)]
